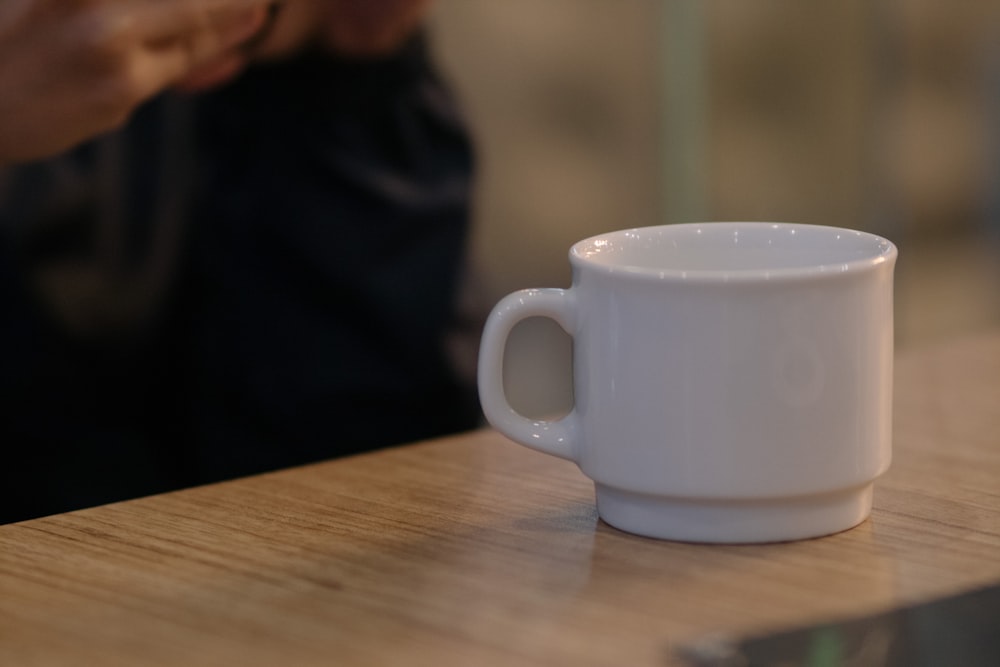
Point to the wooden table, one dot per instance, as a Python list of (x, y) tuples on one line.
[(472, 550)]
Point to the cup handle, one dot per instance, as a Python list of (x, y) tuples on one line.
[(551, 437)]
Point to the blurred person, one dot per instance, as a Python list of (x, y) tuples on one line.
[(71, 69), (257, 270)]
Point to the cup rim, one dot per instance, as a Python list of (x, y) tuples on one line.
[(886, 254)]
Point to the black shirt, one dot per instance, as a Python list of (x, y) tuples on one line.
[(253, 278)]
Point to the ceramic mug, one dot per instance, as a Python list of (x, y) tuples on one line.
[(732, 381)]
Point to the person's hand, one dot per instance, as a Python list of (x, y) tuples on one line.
[(351, 28), (72, 69), (373, 28)]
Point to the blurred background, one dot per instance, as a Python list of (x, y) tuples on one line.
[(592, 115)]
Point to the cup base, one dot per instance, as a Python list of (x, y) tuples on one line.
[(734, 521)]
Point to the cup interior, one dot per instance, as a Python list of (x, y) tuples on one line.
[(733, 249)]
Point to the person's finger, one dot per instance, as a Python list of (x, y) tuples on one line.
[(213, 74), (165, 63), (163, 21)]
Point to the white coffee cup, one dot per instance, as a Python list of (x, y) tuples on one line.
[(732, 381)]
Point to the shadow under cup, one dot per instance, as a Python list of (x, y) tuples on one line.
[(732, 381)]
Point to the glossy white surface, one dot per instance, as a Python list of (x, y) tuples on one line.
[(737, 370), (726, 251), (734, 521)]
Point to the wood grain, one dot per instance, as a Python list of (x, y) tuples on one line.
[(472, 550)]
